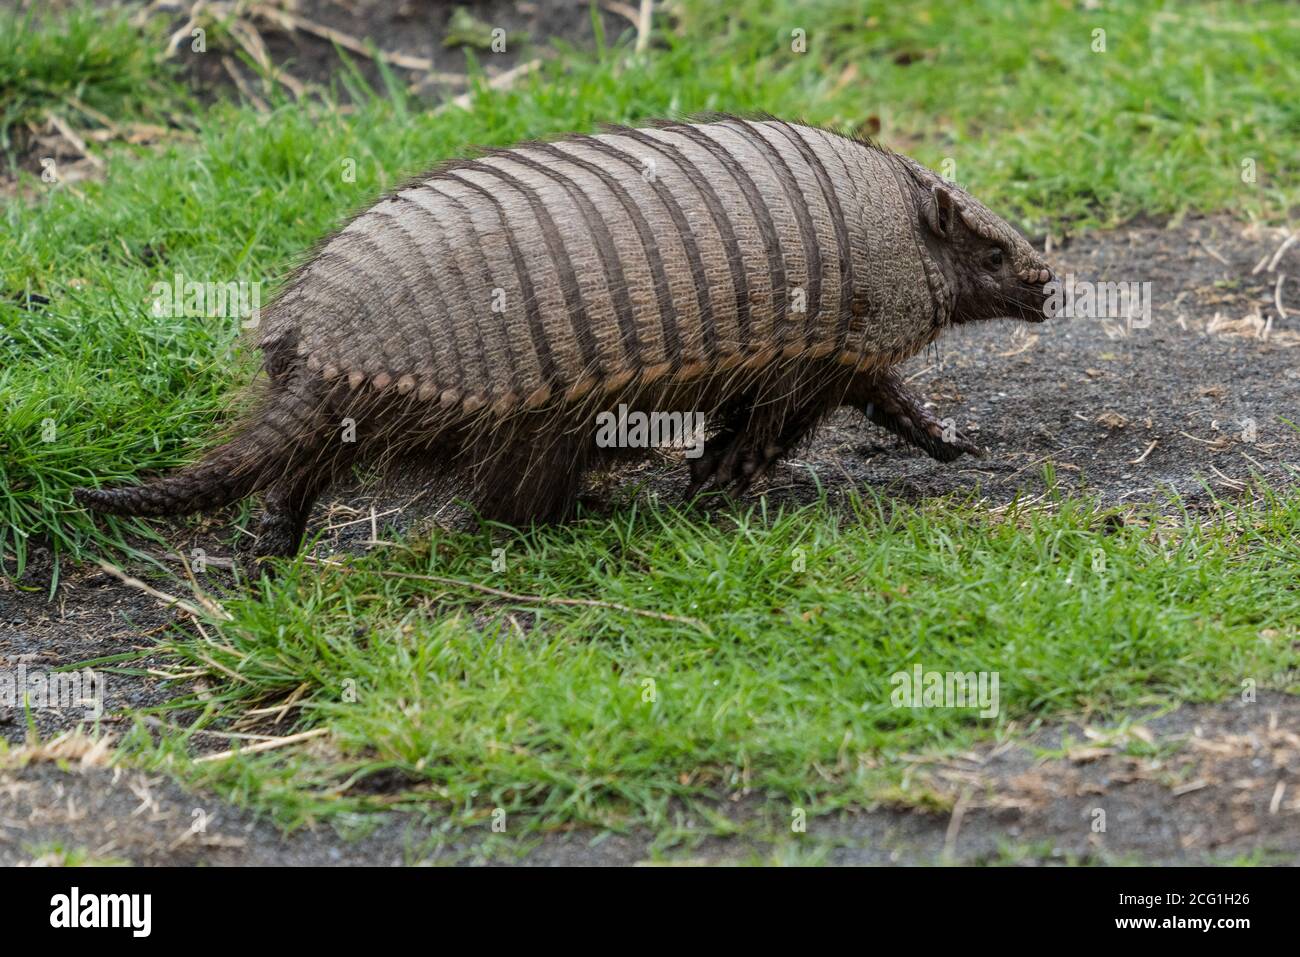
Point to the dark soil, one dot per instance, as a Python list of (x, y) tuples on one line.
[(1086, 396), (1200, 397), (1205, 784), (311, 62), (404, 28)]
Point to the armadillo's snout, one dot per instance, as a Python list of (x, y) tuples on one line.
[(1034, 299), (1051, 290)]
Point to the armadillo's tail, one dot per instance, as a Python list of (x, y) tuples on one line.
[(208, 484), (275, 436)]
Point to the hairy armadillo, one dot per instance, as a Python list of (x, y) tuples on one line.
[(478, 318)]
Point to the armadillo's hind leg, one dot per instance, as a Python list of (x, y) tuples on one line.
[(533, 477), (286, 505), (319, 458), (884, 400), (317, 450), (750, 443)]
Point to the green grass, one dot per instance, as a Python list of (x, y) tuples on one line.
[(474, 703), (90, 65), (57, 855), (1014, 94), (559, 714)]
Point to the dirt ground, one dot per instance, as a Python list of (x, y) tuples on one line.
[(1122, 413), (408, 30), (1202, 785), (427, 46)]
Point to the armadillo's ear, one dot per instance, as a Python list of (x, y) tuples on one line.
[(939, 212)]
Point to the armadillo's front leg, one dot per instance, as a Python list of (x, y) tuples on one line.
[(884, 400), (717, 463)]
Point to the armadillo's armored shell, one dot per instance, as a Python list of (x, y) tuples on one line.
[(550, 270)]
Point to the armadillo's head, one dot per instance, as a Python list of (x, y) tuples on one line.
[(991, 271)]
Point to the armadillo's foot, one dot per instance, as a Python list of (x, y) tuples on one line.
[(286, 505), (740, 458), (714, 469), (278, 536), (755, 463), (887, 403)]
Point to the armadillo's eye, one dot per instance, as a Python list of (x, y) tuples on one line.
[(993, 260)]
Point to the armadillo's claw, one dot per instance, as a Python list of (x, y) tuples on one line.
[(718, 469), (964, 445), (740, 459)]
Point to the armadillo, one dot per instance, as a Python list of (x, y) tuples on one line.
[(478, 318)]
